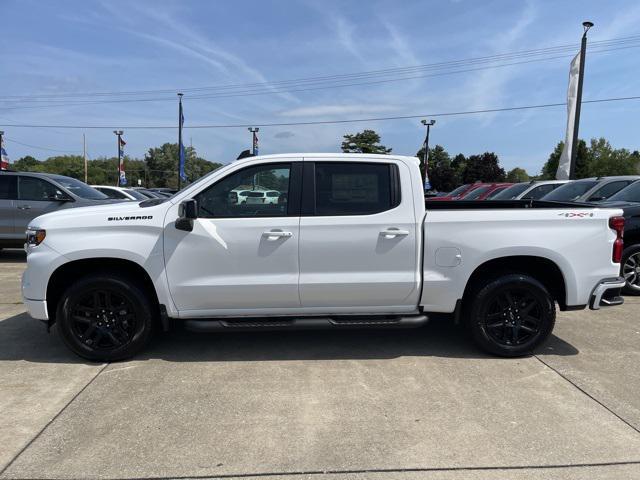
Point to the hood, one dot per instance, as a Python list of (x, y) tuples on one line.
[(97, 214)]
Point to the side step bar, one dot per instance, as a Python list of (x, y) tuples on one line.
[(305, 323)]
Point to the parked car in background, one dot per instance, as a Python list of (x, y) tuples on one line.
[(595, 189), (25, 196), (533, 190), (454, 194), (148, 193), (263, 196), (120, 193), (629, 200), (165, 191), (484, 191)]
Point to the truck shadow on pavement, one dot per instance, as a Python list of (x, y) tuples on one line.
[(22, 338), (13, 256)]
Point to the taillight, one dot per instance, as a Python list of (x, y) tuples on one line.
[(617, 224)]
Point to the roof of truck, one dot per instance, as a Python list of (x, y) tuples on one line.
[(350, 156)]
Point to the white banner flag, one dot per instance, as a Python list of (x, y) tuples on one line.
[(564, 164)]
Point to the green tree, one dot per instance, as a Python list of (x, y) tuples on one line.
[(550, 168), (485, 168), (442, 176), (367, 141), (517, 175), (605, 160), (26, 164), (162, 165)]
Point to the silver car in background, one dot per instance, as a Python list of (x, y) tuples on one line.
[(595, 189), (25, 196), (534, 190)]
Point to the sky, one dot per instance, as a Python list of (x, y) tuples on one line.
[(71, 48)]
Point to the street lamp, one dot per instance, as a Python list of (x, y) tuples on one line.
[(425, 158), (118, 134), (254, 140)]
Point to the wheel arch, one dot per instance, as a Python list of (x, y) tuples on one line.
[(544, 270), (60, 279)]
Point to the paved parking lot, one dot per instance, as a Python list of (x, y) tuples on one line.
[(355, 405)]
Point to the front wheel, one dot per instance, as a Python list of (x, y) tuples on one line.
[(510, 315), (105, 318), (630, 270)]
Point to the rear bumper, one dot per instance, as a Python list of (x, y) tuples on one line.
[(607, 293), (37, 308)]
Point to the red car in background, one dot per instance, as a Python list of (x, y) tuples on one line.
[(455, 194), (484, 191)]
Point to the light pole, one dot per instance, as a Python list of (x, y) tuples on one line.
[(576, 122), (425, 158), (254, 140), (118, 134)]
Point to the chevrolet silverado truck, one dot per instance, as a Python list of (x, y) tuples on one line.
[(347, 243)]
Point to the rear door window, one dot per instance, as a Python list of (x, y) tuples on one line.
[(607, 190), (8, 189), (355, 188)]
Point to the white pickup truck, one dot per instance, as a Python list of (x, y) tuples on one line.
[(348, 243)]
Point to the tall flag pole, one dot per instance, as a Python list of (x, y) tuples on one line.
[(4, 158), (181, 160), (122, 178), (567, 163)]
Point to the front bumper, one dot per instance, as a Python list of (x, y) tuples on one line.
[(607, 293), (37, 308)]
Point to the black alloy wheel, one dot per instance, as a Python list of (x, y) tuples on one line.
[(510, 315), (105, 318)]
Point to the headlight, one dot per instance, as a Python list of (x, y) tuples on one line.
[(35, 236)]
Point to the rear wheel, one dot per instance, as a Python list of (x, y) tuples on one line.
[(630, 270), (105, 318), (510, 315)]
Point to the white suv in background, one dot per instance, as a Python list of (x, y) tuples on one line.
[(120, 193)]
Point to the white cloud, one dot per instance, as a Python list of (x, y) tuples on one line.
[(337, 110)]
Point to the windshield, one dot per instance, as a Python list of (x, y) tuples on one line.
[(475, 193), (135, 194), (458, 190), (570, 191), (80, 189), (628, 194), (512, 192)]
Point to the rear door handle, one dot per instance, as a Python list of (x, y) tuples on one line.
[(394, 232), (277, 234), (24, 207)]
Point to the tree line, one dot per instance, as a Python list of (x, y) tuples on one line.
[(598, 158), (157, 169), (159, 166)]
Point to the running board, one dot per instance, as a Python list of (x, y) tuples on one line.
[(305, 323)]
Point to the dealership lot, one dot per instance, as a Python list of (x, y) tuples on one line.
[(358, 404)]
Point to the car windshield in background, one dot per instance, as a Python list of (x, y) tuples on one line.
[(80, 189), (570, 191), (457, 191), (135, 194), (474, 194), (511, 192), (628, 194)]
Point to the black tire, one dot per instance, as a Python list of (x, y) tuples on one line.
[(105, 318), (630, 270), (510, 315)]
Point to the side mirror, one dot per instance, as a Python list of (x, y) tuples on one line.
[(60, 197), (187, 213)]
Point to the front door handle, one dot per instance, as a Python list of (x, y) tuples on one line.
[(277, 234), (24, 207), (393, 232)]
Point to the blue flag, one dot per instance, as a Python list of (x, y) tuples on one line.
[(183, 176)]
